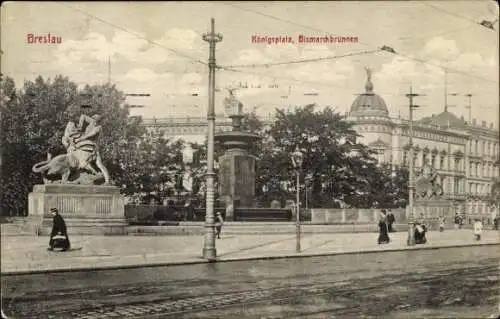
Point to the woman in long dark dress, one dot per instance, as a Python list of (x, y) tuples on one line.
[(420, 231), (383, 237)]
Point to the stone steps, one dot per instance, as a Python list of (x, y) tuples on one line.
[(263, 228), (21, 226)]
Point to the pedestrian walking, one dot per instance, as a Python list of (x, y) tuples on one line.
[(494, 218), (218, 224), (442, 220), (478, 228), (383, 237), (457, 221), (59, 234), (390, 221)]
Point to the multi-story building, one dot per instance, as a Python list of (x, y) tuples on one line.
[(464, 154)]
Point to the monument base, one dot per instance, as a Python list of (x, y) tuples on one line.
[(87, 209), (430, 210)]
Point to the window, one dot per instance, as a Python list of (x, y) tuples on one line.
[(471, 169), (441, 162), (457, 164), (405, 158), (475, 147), (433, 161)]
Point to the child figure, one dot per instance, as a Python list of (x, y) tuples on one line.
[(442, 219), (478, 228)]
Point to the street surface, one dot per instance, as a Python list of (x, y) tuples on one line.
[(448, 282), (29, 254)]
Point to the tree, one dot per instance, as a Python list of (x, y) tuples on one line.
[(151, 168), (494, 196), (33, 122), (339, 170)]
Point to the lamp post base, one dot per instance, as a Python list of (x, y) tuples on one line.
[(411, 234), (210, 254), (297, 234)]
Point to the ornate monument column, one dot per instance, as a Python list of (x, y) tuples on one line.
[(429, 203), (77, 183), (236, 166)]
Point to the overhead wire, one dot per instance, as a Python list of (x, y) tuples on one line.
[(179, 53), (451, 13), (396, 52), (302, 60), (291, 79)]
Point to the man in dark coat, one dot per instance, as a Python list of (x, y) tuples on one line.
[(59, 234), (390, 221)]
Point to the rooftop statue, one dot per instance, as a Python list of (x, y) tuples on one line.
[(368, 84), (78, 165), (368, 74), (426, 185)]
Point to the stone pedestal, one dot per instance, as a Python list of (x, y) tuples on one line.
[(87, 209)]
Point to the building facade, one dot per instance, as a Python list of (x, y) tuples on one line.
[(465, 155)]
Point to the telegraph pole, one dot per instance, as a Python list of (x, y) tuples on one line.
[(468, 150), (411, 182), (209, 251), (109, 69)]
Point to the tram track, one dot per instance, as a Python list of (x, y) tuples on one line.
[(345, 289)]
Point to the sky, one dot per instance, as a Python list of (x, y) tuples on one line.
[(157, 47)]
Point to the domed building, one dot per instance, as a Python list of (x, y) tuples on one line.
[(370, 116), (464, 154)]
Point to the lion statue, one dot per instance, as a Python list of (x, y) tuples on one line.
[(80, 141)]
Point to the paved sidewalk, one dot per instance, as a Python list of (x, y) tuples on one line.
[(29, 254)]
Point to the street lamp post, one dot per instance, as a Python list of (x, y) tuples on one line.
[(297, 158), (209, 251)]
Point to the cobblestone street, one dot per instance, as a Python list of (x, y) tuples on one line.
[(386, 284)]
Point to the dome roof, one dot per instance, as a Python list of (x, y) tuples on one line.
[(369, 103)]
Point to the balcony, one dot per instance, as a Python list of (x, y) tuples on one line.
[(477, 196)]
